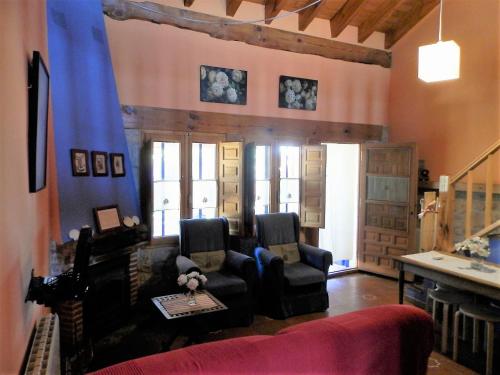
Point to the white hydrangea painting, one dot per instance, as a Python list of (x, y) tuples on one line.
[(222, 85), (298, 93)]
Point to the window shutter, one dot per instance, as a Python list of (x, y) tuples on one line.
[(313, 180), (231, 184), (146, 185), (249, 188)]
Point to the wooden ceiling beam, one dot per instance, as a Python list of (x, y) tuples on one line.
[(188, 3), (255, 35), (307, 15), (344, 15), (420, 9), (232, 7), (377, 19), (273, 7)]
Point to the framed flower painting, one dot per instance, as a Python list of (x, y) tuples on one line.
[(298, 93), (222, 85)]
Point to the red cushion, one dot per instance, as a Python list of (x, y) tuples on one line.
[(387, 340)]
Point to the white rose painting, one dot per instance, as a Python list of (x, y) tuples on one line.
[(298, 93), (222, 85)]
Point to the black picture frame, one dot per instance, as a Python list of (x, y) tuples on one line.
[(223, 85), (297, 93), (108, 218), (117, 161), (99, 163), (80, 162), (38, 109)]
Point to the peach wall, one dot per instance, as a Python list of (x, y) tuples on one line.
[(25, 222), (452, 122), (158, 66)]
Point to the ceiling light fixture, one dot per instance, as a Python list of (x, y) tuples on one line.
[(439, 61)]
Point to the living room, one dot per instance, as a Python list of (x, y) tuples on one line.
[(123, 79)]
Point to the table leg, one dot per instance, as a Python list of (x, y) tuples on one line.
[(401, 285)]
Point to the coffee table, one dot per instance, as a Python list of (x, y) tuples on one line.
[(175, 307)]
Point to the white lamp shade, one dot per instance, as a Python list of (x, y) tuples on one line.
[(439, 61)]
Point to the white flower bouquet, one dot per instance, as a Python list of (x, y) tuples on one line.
[(191, 281), (477, 247)]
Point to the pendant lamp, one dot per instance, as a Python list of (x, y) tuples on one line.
[(439, 61)]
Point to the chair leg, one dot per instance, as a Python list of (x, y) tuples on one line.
[(444, 329), (475, 335), (456, 333), (490, 336), (464, 333)]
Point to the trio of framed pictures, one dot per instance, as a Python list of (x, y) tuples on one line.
[(81, 167)]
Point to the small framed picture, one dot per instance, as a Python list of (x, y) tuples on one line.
[(117, 165), (99, 163), (80, 162), (107, 218)]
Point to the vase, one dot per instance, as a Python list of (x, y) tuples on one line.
[(191, 298)]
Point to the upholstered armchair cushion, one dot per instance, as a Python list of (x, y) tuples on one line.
[(289, 252), (209, 261), (300, 274), (223, 284)]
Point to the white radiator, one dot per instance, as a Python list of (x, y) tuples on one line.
[(44, 358)]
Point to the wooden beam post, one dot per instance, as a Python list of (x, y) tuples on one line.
[(188, 3), (488, 204), (419, 10), (377, 19), (232, 6), (307, 15), (428, 226), (345, 14), (256, 35), (272, 8)]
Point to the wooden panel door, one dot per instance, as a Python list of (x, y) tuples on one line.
[(231, 185), (387, 196)]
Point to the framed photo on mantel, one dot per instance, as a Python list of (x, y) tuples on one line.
[(107, 218)]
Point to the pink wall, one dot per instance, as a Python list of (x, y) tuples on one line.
[(26, 219), (452, 122), (158, 66)]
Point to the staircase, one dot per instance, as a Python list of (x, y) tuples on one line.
[(479, 184)]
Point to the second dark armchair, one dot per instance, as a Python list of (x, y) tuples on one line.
[(204, 246), (292, 275)]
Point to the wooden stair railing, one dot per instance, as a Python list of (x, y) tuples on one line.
[(447, 200)]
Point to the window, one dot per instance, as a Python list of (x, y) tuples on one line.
[(166, 188), (289, 199), (204, 180), (262, 179)]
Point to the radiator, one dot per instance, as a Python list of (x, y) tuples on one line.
[(44, 357)]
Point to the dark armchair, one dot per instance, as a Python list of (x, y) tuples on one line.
[(290, 283), (204, 247)]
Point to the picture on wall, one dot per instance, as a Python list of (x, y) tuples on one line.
[(117, 165), (222, 85), (80, 162), (99, 163), (298, 93)]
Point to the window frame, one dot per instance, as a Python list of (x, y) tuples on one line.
[(285, 141), (272, 182)]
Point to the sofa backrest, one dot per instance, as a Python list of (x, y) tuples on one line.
[(386, 340)]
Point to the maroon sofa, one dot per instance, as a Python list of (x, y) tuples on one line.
[(388, 340)]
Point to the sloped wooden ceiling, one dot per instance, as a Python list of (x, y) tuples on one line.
[(394, 18)]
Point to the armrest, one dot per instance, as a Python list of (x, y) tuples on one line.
[(186, 265), (270, 269), (242, 265), (315, 257)]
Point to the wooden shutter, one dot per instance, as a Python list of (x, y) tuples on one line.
[(146, 185), (387, 197), (249, 188), (312, 195), (231, 184)]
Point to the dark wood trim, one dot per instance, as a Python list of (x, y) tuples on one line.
[(232, 7), (377, 19), (150, 118), (256, 35), (307, 15), (272, 9), (344, 16), (188, 3)]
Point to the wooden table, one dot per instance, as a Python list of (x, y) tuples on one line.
[(450, 270)]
